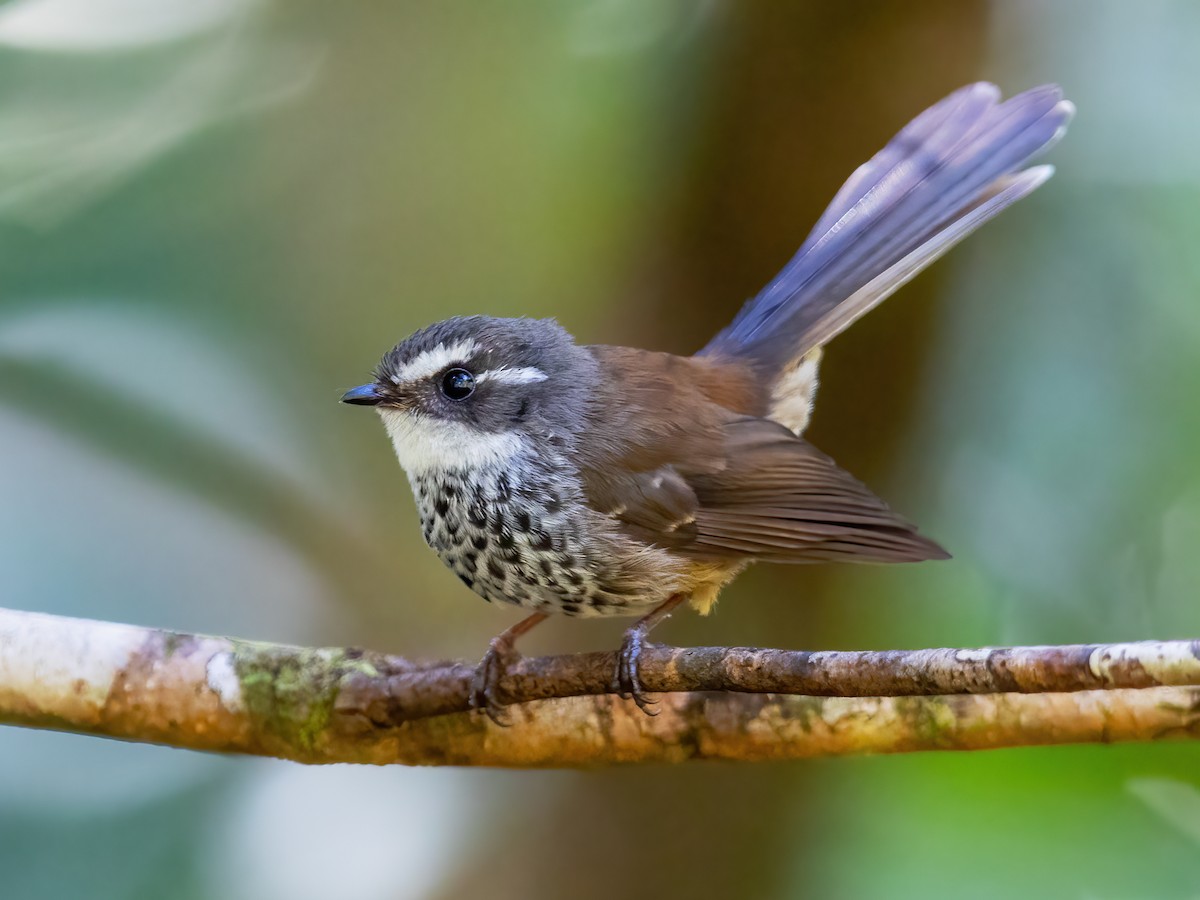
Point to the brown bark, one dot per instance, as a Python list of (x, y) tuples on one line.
[(336, 705)]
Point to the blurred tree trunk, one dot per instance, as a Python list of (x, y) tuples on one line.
[(799, 95)]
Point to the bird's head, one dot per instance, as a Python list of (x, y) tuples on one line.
[(476, 390)]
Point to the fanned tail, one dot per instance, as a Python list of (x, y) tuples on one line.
[(947, 172)]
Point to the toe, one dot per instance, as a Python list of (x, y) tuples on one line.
[(628, 679), (485, 687)]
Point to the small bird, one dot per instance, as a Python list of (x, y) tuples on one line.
[(611, 481)]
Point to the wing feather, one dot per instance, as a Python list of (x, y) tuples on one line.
[(753, 491), (783, 500)]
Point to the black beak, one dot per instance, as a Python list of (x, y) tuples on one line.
[(363, 395)]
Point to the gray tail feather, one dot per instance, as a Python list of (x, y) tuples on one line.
[(946, 173)]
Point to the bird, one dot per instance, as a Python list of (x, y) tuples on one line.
[(590, 480)]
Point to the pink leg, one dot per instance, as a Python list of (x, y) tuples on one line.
[(501, 654)]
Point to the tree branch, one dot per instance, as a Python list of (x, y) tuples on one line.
[(338, 705)]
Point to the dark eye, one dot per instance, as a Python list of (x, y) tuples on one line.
[(458, 384)]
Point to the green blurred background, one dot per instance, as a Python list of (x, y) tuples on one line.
[(215, 216)]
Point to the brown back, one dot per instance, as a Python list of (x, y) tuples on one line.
[(679, 452)]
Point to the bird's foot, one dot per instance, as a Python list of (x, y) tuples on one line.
[(501, 656), (627, 681), (485, 687)]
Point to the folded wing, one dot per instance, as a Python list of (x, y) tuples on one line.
[(780, 499)]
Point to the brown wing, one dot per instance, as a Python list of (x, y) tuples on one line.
[(780, 499), (704, 474), (657, 422)]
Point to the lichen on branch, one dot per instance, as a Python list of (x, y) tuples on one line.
[(347, 705)]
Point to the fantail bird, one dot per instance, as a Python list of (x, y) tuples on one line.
[(609, 481)]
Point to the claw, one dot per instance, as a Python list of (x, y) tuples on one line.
[(485, 687), (501, 654), (627, 681)]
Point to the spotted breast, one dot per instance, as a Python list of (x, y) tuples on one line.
[(515, 535)]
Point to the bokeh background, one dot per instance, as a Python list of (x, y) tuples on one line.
[(214, 217)]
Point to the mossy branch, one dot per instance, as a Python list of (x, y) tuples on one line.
[(340, 705)]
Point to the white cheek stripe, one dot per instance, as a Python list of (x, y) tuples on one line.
[(523, 375), (433, 361)]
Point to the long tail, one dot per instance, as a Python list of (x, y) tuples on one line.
[(946, 173)]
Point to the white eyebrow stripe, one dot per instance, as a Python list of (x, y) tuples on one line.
[(433, 361), (522, 375)]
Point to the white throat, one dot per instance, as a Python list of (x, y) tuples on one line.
[(424, 444)]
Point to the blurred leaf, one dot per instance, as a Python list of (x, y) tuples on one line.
[(1052, 822), (93, 25), (191, 458), (73, 132), (1176, 802)]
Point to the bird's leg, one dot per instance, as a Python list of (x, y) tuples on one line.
[(501, 654), (628, 682)]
